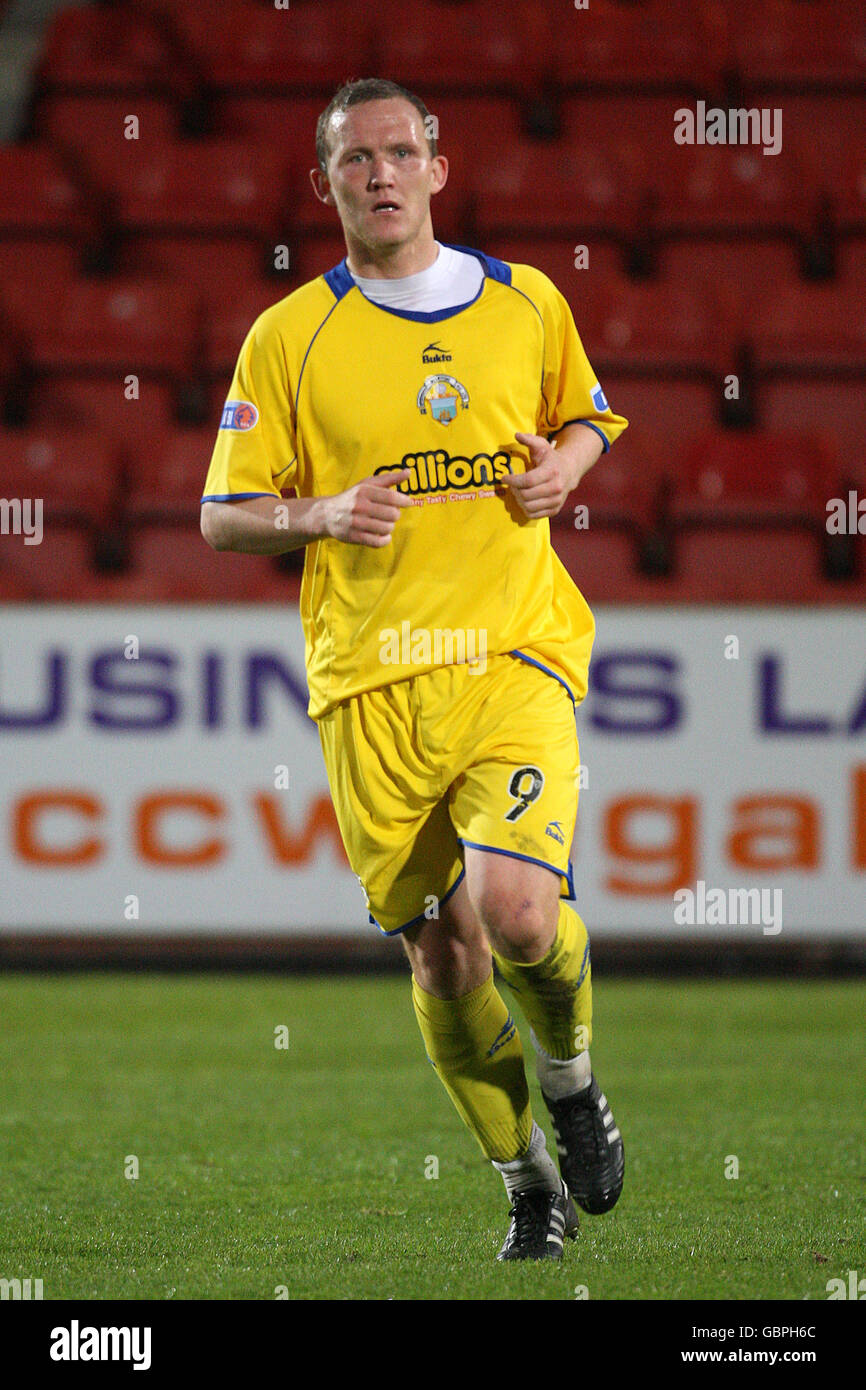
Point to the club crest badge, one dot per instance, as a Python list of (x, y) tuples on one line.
[(443, 396)]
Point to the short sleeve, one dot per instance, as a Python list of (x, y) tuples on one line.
[(255, 453), (571, 390)]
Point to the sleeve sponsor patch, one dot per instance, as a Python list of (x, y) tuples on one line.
[(599, 399), (238, 415)]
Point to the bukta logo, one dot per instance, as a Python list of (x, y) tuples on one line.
[(443, 394), (505, 1034), (435, 352)]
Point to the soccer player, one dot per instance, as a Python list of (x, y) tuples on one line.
[(432, 407)]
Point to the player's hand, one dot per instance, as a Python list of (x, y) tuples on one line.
[(543, 488), (367, 513)]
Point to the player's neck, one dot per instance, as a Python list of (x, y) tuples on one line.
[(393, 262)]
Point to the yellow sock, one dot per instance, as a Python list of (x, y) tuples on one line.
[(475, 1047), (555, 992)]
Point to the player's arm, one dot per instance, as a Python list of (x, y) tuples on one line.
[(365, 514), (557, 467)]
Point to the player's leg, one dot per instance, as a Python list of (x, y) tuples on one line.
[(475, 1047), (400, 841), (469, 1034), (541, 947), (514, 810)]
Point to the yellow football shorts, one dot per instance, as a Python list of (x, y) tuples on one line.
[(453, 757)]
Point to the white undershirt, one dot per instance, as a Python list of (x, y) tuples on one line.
[(453, 278)]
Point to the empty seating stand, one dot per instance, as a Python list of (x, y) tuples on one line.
[(159, 200)]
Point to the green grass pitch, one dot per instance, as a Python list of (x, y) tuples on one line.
[(308, 1169)]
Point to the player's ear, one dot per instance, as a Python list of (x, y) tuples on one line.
[(440, 172), (322, 187)]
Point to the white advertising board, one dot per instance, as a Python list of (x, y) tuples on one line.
[(158, 773)]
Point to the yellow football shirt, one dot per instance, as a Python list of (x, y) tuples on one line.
[(330, 387)]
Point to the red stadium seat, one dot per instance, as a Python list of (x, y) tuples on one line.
[(674, 410), (554, 189), (444, 46), (655, 328), (645, 47), (15, 587), (748, 516), (465, 122), (810, 329), (734, 274), (618, 492), (94, 128), (825, 130), (175, 564), (50, 265), (169, 559), (599, 119), (556, 259), (109, 48), (167, 475), (849, 197), (42, 200), (75, 473), (602, 563), (229, 316), (100, 403), (753, 479), (207, 187), (60, 569), (255, 48), (208, 265), (732, 191), (112, 327), (830, 410), (742, 565), (287, 123), (778, 45)]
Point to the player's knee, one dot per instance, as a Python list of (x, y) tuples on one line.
[(518, 924), (448, 966)]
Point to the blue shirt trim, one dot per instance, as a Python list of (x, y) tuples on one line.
[(235, 496), (567, 873), (590, 426), (413, 922), (339, 280), (531, 661)]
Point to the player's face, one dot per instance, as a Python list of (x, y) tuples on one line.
[(381, 175)]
